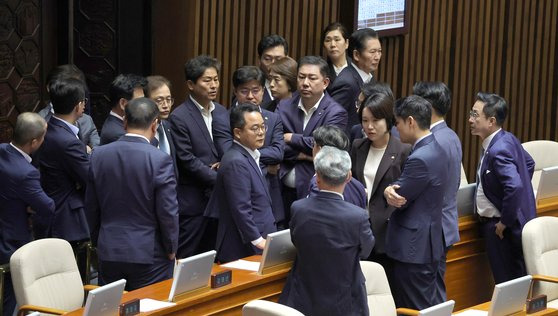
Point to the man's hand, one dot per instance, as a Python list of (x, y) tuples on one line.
[(215, 166), (171, 256), (273, 169), (88, 149), (287, 137), (500, 229), (303, 156), (261, 245), (392, 197)]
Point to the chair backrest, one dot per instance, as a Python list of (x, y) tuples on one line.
[(380, 300), (267, 308), (540, 250), (540, 151), (45, 273)]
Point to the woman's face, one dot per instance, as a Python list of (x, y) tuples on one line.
[(335, 45), (278, 86), (373, 127)]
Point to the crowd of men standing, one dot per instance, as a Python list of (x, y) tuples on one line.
[(316, 146)]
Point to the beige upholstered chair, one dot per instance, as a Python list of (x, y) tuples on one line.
[(544, 155), (45, 277), (463, 181), (540, 250), (267, 308)]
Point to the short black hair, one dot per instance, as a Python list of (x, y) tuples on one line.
[(435, 92), (270, 41), (417, 107), (237, 114), (141, 112), (335, 26), (381, 106), (329, 135), (317, 61), (246, 74), (64, 71), (195, 67), (358, 40), (371, 88), (65, 94), (123, 86), (494, 106), (28, 126)]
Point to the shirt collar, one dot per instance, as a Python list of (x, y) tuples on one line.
[(137, 135), (313, 108), (201, 108), (74, 128), (116, 115), (418, 140), (435, 124), (254, 153), (328, 191), (486, 141), (365, 77), (24, 154)]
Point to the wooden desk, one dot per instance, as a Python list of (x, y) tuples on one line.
[(486, 307), (468, 276), (227, 300)]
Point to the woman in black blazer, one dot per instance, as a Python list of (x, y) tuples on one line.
[(335, 41), (377, 160)]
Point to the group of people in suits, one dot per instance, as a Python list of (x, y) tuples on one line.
[(317, 146)]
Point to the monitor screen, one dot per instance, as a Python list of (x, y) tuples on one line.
[(387, 17)]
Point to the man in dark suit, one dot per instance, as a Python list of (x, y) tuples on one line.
[(366, 51), (241, 196), (249, 86), (123, 89), (330, 236), (201, 133), (270, 49), (504, 197), (21, 195), (131, 203), (64, 164), (414, 235), (439, 96), (333, 136), (300, 116), (158, 90)]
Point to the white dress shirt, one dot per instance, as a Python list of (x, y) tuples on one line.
[(206, 115), (485, 208)]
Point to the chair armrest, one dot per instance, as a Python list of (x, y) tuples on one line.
[(407, 311), (89, 287), (545, 278), (33, 308)]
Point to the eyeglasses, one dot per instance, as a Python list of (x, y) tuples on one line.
[(161, 100), (474, 114), (258, 128), (246, 92)]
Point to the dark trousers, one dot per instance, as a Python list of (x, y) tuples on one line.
[(504, 255), (137, 275), (440, 278), (9, 303), (80, 252), (414, 285), (196, 234), (289, 196)]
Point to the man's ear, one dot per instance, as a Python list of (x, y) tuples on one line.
[(122, 103)]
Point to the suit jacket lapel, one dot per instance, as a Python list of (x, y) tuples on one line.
[(197, 116), (387, 160), (362, 153), (311, 126), (256, 168)]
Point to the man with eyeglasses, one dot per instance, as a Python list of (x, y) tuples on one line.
[(241, 197), (365, 50), (158, 90)]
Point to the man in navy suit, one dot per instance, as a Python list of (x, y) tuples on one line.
[(300, 116), (131, 203), (249, 85), (414, 238), (123, 89), (366, 51), (439, 96), (201, 133), (64, 164), (504, 197), (158, 90), (21, 195), (331, 236), (241, 196), (333, 136)]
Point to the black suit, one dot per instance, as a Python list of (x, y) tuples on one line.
[(113, 129)]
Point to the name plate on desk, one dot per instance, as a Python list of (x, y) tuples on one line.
[(536, 304), (221, 279)]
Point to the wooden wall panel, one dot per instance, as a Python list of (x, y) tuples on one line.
[(500, 46)]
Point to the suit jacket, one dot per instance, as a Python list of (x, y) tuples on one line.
[(20, 188), (328, 112), (506, 174), (331, 236), (388, 171), (345, 90), (196, 152), (113, 129), (87, 129), (354, 192), (243, 202), (64, 165), (449, 141), (168, 135), (414, 233), (144, 225), (331, 71)]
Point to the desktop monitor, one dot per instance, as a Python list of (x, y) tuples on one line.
[(466, 199), (104, 301), (442, 309), (279, 251), (192, 273), (509, 297), (548, 184)]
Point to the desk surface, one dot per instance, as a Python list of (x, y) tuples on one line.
[(486, 307), (227, 300)]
